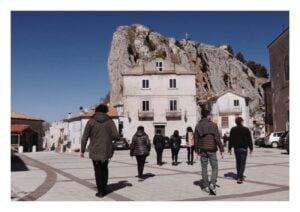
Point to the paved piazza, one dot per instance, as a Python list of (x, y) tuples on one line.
[(51, 176)]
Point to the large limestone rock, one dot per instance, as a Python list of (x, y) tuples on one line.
[(216, 69)]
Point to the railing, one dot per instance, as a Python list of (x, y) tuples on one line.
[(173, 113), (231, 110), (146, 114)]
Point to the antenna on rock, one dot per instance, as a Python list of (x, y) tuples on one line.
[(186, 36)]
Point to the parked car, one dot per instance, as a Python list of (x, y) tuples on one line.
[(281, 140), (121, 144), (273, 139), (260, 141), (286, 143)]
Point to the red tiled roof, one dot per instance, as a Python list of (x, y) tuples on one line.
[(18, 115), (18, 128), (112, 112)]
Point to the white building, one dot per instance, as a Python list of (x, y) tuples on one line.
[(66, 135), (226, 107), (158, 95), (55, 135), (76, 126)]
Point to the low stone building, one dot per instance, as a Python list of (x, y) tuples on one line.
[(26, 131)]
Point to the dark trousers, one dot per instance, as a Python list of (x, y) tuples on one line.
[(174, 155), (141, 159), (241, 157), (190, 154), (101, 175), (159, 152)]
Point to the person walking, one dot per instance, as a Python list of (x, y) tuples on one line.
[(207, 142), (190, 145), (240, 139), (175, 142), (140, 148), (225, 139), (159, 144), (102, 131)]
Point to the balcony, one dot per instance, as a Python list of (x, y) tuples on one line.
[(234, 110), (173, 115), (146, 115)]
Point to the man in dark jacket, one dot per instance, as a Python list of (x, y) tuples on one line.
[(140, 148), (207, 141), (159, 144), (240, 139), (102, 131)]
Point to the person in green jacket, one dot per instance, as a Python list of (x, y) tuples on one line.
[(102, 131)]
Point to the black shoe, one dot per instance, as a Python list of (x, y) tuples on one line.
[(239, 181), (100, 195), (188, 162), (192, 163), (173, 164)]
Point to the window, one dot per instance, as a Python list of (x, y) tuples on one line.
[(159, 65), (236, 102), (172, 83), (173, 105), (145, 106), (225, 122), (145, 83)]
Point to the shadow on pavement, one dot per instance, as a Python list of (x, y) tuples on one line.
[(148, 175), (231, 174), (17, 164), (117, 186), (199, 183)]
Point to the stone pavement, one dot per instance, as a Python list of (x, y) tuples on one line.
[(51, 176)]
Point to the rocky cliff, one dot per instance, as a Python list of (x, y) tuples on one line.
[(216, 69)]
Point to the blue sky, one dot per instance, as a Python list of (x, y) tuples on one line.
[(59, 59)]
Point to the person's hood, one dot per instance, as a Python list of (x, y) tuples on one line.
[(139, 134), (101, 117)]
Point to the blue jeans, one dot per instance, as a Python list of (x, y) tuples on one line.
[(212, 158), (241, 157)]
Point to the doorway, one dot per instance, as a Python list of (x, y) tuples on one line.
[(161, 128)]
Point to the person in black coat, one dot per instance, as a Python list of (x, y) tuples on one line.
[(240, 139), (175, 142), (159, 144), (140, 148)]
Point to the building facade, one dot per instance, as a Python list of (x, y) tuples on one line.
[(66, 135), (158, 95), (279, 67), (226, 107)]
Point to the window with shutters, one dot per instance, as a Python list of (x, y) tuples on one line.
[(145, 84), (224, 122), (145, 105), (173, 105), (172, 83)]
